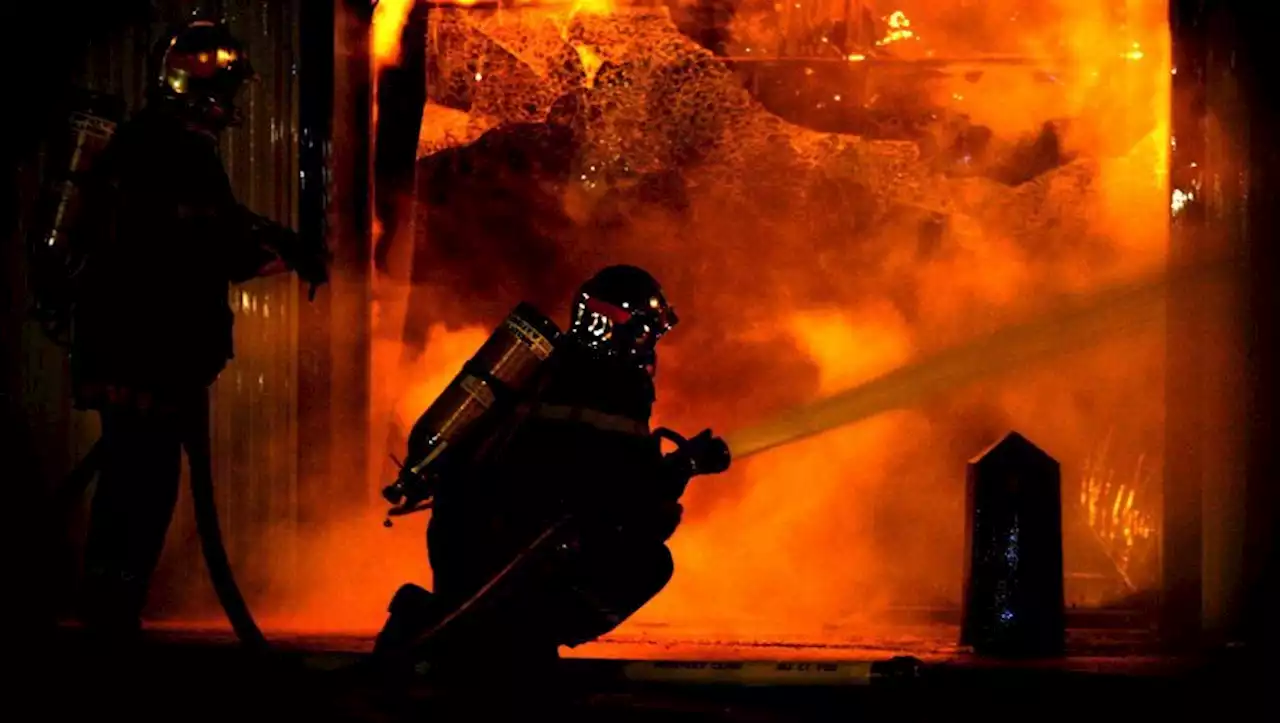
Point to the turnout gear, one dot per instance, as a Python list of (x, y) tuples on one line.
[(163, 239), (552, 530)]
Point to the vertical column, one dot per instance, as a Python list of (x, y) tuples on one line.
[(401, 98), (1181, 523), (351, 224), (315, 121), (1221, 470), (1261, 88)]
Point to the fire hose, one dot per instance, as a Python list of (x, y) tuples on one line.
[(195, 440)]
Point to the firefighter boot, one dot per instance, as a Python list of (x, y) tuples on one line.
[(410, 613)]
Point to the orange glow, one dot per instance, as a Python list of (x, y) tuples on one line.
[(899, 29), (428, 376), (593, 7), (804, 265), (389, 17)]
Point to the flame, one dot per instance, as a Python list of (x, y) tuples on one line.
[(592, 7), (590, 57), (389, 17), (591, 61), (899, 29)]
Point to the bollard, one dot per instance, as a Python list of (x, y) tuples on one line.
[(1013, 578)]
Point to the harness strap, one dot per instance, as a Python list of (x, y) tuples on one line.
[(594, 418)]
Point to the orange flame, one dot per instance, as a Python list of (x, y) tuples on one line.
[(389, 17)]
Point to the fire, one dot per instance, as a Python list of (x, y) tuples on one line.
[(389, 17), (804, 262), (592, 7), (591, 61), (899, 29)]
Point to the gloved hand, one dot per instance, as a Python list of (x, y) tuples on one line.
[(703, 454), (312, 268), (309, 260)]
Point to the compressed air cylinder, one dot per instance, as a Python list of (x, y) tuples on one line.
[(503, 370), (70, 153), (90, 127), (1013, 583)]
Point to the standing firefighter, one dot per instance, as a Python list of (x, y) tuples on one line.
[(160, 238), (553, 507)]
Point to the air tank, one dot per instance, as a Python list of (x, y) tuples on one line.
[(503, 372), (69, 155)]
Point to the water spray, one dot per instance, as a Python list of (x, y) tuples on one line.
[(1070, 327)]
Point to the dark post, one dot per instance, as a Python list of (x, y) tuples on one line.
[(1261, 579), (1181, 520), (402, 96), (315, 362), (1013, 583), (1221, 456), (348, 487)]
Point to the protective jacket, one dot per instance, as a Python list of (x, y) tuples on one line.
[(584, 451), (164, 239)]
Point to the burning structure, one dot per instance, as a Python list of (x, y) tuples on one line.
[(829, 191), (825, 205)]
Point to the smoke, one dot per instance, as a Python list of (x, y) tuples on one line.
[(802, 264)]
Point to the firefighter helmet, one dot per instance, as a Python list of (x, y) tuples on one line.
[(622, 311), (200, 69)]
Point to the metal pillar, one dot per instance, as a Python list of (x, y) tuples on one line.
[(1261, 88), (315, 118), (1221, 459), (333, 362)]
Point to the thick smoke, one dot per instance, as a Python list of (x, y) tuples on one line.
[(802, 262)]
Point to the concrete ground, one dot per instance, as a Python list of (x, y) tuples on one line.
[(184, 675)]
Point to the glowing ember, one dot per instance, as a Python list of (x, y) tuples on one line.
[(899, 29), (1180, 200)]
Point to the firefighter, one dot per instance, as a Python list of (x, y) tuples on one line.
[(583, 453), (163, 239)]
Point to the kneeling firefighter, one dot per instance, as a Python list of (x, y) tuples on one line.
[(552, 499)]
